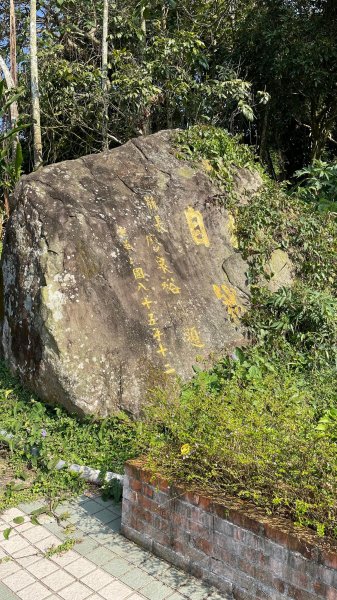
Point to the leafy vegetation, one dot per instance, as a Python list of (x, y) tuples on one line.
[(43, 435), (319, 185), (261, 424), (250, 66)]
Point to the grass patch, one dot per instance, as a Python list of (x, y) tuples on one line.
[(42, 435)]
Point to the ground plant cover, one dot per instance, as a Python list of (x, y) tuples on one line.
[(43, 435), (262, 423)]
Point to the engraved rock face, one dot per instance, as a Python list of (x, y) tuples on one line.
[(120, 272)]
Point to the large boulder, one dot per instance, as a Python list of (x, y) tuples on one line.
[(120, 270)]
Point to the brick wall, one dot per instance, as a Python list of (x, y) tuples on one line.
[(231, 544)]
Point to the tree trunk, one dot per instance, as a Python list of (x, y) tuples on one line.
[(10, 86), (13, 41), (143, 21), (264, 134), (105, 121), (34, 74)]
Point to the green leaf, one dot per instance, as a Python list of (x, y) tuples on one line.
[(19, 520), (7, 532)]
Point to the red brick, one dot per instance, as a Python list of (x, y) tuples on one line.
[(298, 594), (268, 579), (321, 589), (225, 556), (135, 485), (240, 594), (243, 520), (203, 545), (329, 559), (331, 594), (147, 490), (246, 567)]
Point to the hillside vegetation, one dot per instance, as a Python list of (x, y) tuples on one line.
[(262, 423)]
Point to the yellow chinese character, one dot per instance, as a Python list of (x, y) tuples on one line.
[(138, 273), (121, 231), (159, 225), (170, 286), (193, 337), (162, 350), (152, 319), (151, 203), (141, 286), (169, 369), (127, 245), (146, 302), (162, 264), (228, 297), (196, 226), (232, 230), (152, 241), (157, 334)]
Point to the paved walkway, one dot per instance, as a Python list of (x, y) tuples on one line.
[(102, 565)]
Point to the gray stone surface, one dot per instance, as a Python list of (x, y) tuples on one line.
[(120, 271)]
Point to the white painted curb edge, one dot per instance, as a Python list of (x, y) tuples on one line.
[(87, 473)]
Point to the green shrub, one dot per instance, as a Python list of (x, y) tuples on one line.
[(256, 437), (318, 185)]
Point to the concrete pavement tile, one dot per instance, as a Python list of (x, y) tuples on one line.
[(86, 546), (8, 568), (115, 590), (101, 556), (75, 591), (91, 506), (42, 568), (105, 516), (13, 544), (65, 558), (80, 567), (154, 566), (36, 591), (58, 580), (117, 567), (174, 577), (136, 556), (48, 542), (30, 507), (18, 580), (194, 590), (10, 514), (36, 534), (6, 594), (97, 579), (55, 529), (102, 535), (156, 591), (136, 578), (25, 559), (120, 546), (24, 526)]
